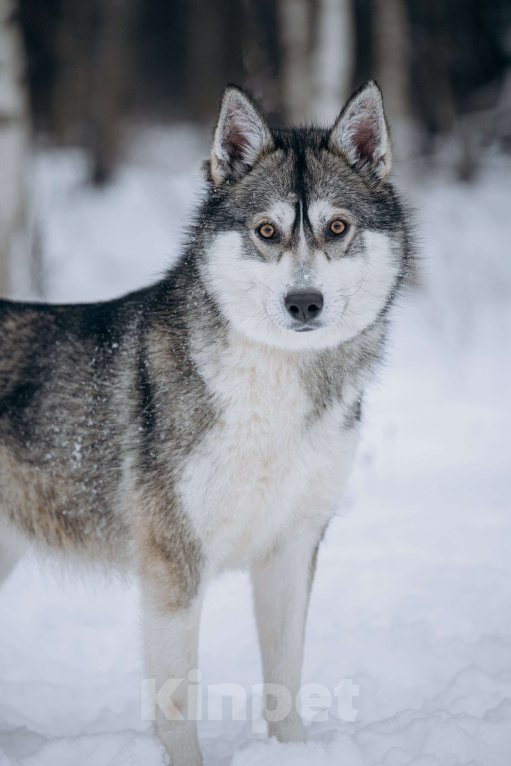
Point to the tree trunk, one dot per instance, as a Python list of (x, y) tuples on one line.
[(94, 57), (334, 59), (16, 266), (393, 71), (297, 24), (204, 70), (110, 86), (262, 55), (72, 88)]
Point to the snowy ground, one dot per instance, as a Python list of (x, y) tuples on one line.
[(412, 600)]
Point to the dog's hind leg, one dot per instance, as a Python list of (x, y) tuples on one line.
[(171, 644), (171, 606)]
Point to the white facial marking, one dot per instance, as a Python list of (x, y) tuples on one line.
[(282, 213), (251, 291), (364, 282), (322, 211)]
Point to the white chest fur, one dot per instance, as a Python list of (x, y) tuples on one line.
[(267, 466)]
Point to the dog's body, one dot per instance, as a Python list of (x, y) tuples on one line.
[(210, 421)]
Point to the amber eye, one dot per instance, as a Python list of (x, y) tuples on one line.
[(266, 230), (337, 227)]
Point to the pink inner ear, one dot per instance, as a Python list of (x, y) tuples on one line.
[(236, 143), (365, 139)]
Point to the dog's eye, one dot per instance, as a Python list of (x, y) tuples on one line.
[(337, 227), (266, 230)]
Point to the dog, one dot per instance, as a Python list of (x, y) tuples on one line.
[(210, 421)]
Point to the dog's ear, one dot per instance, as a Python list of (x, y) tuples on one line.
[(241, 136), (361, 134)]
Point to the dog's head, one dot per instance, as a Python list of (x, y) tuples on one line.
[(304, 238)]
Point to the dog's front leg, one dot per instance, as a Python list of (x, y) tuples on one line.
[(282, 584), (171, 650)]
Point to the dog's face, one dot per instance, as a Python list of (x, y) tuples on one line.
[(304, 240)]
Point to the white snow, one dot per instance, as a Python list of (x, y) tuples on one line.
[(412, 600)]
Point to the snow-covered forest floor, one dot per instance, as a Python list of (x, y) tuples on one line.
[(412, 600)]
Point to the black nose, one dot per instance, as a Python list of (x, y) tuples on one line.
[(304, 306)]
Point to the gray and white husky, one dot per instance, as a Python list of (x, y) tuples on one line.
[(210, 421)]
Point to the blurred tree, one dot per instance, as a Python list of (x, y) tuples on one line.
[(112, 71), (39, 23), (334, 60), (431, 67), (392, 70), (298, 20), (161, 41), (262, 54), (71, 87), (95, 63), (206, 27), (363, 64), (17, 272), (459, 59)]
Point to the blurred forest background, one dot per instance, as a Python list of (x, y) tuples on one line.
[(84, 72), (106, 110)]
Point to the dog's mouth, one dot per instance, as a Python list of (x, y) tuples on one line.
[(307, 327), (299, 327)]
